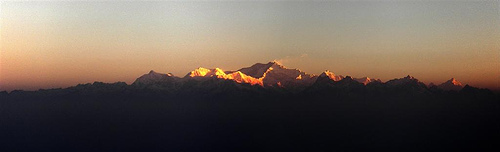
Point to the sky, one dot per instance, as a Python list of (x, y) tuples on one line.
[(60, 44)]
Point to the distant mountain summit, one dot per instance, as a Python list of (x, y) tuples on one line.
[(153, 77), (258, 70), (404, 81), (451, 84), (331, 76), (366, 80), (204, 72), (408, 83), (276, 75)]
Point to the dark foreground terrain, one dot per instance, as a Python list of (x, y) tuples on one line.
[(238, 120)]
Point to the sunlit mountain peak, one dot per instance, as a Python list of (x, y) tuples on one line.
[(331, 75), (218, 72), (199, 72), (237, 76), (455, 82), (366, 80), (299, 77), (243, 78), (452, 84)]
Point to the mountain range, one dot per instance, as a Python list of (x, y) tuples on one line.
[(273, 75), (270, 78)]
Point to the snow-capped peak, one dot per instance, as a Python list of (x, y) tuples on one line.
[(242, 78), (331, 75), (452, 84), (258, 70), (366, 80), (154, 77), (409, 77), (154, 73), (299, 77), (204, 72), (455, 82), (275, 64), (219, 73), (404, 81), (273, 72), (199, 72)]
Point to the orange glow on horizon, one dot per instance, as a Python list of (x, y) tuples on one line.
[(61, 44)]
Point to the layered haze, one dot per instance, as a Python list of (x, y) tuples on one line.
[(61, 44)]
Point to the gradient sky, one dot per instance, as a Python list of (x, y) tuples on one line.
[(61, 44)]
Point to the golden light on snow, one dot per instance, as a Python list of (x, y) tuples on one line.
[(219, 73)]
